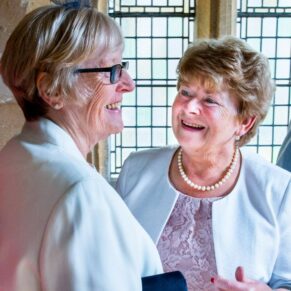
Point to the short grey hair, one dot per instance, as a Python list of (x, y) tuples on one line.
[(54, 39)]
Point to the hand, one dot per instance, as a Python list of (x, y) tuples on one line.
[(242, 283)]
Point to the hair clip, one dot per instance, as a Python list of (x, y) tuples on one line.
[(69, 4)]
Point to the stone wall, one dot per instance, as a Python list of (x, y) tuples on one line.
[(11, 12)]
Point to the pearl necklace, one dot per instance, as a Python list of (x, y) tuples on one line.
[(217, 184)]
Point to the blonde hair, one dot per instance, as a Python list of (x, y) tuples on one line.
[(231, 64), (54, 39)]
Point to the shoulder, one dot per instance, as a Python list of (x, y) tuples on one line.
[(148, 163), (284, 155), (144, 168), (262, 167), (152, 156), (54, 171), (55, 162), (264, 175), (88, 196), (70, 168)]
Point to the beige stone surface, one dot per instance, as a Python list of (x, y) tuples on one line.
[(32, 4), (11, 117), (11, 11), (215, 18), (11, 121)]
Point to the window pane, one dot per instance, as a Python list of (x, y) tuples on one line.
[(159, 48), (144, 116), (159, 69), (269, 27), (275, 43)]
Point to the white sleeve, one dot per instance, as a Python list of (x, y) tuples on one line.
[(281, 276), (87, 247), (122, 179)]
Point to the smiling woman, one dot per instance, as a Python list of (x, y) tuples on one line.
[(63, 227), (103, 83), (209, 205)]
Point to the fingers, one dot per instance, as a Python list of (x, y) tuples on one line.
[(224, 284), (240, 274), (242, 283), (238, 284)]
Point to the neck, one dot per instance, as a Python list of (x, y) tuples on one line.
[(215, 182), (75, 128), (208, 164)]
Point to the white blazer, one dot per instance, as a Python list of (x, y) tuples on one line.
[(62, 226), (251, 226), (284, 156)]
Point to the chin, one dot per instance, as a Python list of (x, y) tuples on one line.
[(190, 143), (116, 130)]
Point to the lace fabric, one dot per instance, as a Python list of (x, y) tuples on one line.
[(186, 243)]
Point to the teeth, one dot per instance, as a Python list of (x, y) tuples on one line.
[(113, 106), (193, 125)]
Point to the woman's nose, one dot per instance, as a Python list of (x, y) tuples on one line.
[(125, 84), (194, 106)]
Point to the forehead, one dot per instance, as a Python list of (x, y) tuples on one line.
[(205, 83), (212, 82)]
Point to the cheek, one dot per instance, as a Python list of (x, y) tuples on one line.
[(95, 89), (176, 108), (223, 118), (90, 87), (95, 107), (220, 113)]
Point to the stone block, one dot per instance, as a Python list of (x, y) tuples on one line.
[(11, 121)]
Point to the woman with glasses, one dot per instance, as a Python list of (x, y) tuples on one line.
[(62, 226)]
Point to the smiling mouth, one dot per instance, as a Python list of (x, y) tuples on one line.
[(113, 106), (192, 125)]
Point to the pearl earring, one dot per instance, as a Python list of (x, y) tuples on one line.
[(237, 138), (57, 106)]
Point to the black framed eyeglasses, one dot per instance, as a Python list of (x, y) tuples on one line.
[(115, 71)]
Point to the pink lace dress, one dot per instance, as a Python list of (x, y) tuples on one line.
[(186, 243)]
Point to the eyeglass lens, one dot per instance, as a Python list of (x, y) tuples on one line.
[(117, 72)]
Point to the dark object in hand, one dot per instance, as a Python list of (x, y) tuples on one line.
[(171, 281)]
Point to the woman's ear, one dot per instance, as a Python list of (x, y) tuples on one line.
[(246, 125), (53, 100)]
